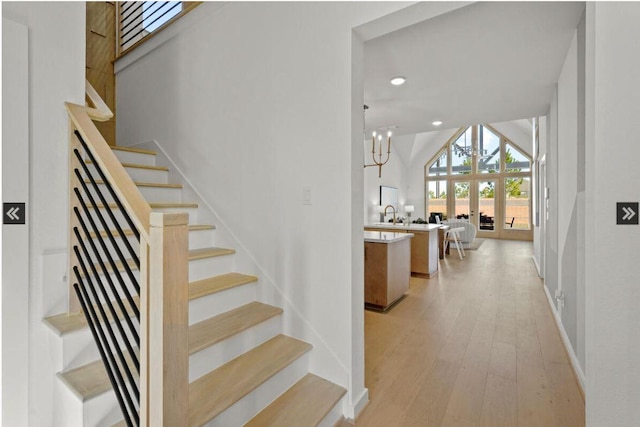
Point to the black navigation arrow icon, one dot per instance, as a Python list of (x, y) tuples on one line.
[(627, 213), (14, 213)]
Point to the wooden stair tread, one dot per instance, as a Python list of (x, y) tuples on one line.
[(195, 254), (87, 381), (218, 328), (143, 184), (134, 150), (216, 391), (129, 232), (138, 166), (65, 323), (215, 284), (306, 403), (91, 379)]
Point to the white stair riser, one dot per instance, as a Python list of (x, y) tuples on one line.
[(218, 354), (115, 281), (79, 348), (135, 158), (199, 239), (148, 175), (208, 267), (150, 194), (246, 408), (68, 408), (136, 174), (220, 302), (99, 411), (335, 415)]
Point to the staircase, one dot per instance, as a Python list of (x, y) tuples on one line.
[(242, 369)]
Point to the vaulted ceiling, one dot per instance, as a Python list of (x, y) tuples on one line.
[(482, 63)]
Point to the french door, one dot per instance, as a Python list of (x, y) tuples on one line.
[(487, 204)]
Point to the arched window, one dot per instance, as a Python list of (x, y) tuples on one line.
[(481, 176)]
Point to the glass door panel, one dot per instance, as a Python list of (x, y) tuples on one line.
[(462, 205), (517, 210), (437, 199), (486, 192)]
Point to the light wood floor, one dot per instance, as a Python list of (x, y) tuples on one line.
[(476, 345)]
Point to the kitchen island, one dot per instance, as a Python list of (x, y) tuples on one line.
[(424, 245), (386, 268)]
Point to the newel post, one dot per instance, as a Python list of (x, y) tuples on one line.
[(164, 322)]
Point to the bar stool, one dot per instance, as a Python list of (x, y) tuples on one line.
[(453, 236)]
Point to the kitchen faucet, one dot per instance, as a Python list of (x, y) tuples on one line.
[(394, 212)]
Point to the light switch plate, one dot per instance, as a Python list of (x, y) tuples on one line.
[(306, 195)]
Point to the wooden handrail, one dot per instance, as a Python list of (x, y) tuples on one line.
[(129, 194), (100, 110)]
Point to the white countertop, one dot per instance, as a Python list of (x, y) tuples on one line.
[(385, 236), (416, 227)]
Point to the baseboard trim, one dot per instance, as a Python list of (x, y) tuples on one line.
[(535, 262), (353, 411), (577, 370)]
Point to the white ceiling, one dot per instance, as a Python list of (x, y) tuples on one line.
[(483, 63)]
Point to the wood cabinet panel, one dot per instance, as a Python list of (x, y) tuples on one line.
[(387, 273), (424, 250)]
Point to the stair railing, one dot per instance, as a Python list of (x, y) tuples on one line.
[(138, 321)]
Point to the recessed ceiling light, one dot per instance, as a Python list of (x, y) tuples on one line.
[(397, 81), (437, 123)]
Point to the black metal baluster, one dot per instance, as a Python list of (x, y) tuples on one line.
[(105, 318), (97, 232), (105, 295), (112, 262), (109, 187), (108, 350), (116, 223), (103, 356)]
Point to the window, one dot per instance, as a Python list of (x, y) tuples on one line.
[(483, 176), (516, 161), (439, 165), (155, 14), (139, 19), (488, 151), (461, 153), (437, 198)]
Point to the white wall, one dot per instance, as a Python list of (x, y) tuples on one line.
[(393, 175), (426, 146), (612, 152), (570, 209), (15, 237), (254, 101), (56, 74)]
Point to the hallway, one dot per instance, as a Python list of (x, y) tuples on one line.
[(476, 345)]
